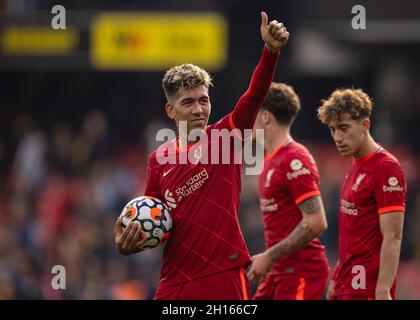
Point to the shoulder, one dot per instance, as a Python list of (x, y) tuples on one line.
[(296, 154), (387, 160), (152, 159), (223, 123), (387, 168), (152, 156), (160, 153)]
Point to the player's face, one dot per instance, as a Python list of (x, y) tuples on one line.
[(190, 105), (348, 134)]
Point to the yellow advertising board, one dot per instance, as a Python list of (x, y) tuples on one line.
[(38, 40), (156, 41)]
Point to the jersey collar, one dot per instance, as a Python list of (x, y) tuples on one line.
[(271, 155), (368, 156)]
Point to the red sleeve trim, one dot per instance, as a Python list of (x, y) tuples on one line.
[(391, 209), (307, 196)]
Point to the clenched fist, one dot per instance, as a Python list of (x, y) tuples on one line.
[(275, 35)]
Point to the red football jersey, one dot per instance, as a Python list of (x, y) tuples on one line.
[(204, 197), (375, 185), (290, 176)]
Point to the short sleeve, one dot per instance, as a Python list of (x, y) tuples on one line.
[(301, 176), (390, 187)]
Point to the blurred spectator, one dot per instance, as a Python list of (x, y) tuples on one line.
[(57, 211), (67, 170), (29, 162)]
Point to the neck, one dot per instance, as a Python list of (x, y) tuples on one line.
[(275, 137), (184, 141), (368, 146)]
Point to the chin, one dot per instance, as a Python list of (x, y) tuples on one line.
[(346, 153), (198, 127), (201, 126)]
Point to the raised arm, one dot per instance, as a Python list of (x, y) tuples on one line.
[(275, 36)]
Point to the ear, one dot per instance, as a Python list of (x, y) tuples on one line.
[(366, 124), (265, 116), (170, 110)]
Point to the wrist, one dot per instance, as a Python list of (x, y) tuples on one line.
[(272, 256), (382, 290), (271, 49)]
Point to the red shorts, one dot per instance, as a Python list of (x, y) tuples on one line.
[(353, 297), (359, 296), (363, 296), (232, 284), (291, 287)]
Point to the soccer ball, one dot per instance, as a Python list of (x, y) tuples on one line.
[(153, 216)]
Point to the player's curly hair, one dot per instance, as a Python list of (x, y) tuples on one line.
[(186, 75), (283, 102), (354, 102)]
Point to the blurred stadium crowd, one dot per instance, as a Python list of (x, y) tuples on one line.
[(66, 174), (61, 193)]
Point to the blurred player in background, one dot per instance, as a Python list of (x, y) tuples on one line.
[(294, 265), (372, 202), (205, 255)]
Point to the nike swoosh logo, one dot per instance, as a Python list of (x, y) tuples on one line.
[(166, 172)]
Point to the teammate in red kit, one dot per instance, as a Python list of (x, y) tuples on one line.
[(294, 265), (205, 255), (372, 203)]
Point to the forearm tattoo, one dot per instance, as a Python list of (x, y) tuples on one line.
[(301, 235), (298, 238)]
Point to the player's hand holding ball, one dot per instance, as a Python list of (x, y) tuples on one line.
[(127, 240), (144, 223)]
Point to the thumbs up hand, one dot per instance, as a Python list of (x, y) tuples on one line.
[(274, 33)]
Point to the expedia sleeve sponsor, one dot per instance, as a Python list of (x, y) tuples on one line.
[(301, 177), (390, 187), (299, 168), (393, 185), (297, 173)]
